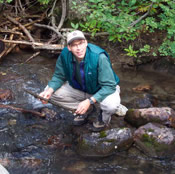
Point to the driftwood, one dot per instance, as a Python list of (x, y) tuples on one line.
[(10, 31), (22, 110), (37, 45), (22, 27)]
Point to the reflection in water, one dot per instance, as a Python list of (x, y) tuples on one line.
[(30, 144)]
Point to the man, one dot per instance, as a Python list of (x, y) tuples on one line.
[(83, 76)]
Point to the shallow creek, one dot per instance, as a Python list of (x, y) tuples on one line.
[(33, 145)]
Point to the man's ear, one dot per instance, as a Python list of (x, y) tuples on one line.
[(86, 42), (69, 48)]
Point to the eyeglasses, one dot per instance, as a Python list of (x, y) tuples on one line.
[(77, 45)]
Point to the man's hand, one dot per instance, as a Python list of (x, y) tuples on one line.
[(83, 107), (46, 94)]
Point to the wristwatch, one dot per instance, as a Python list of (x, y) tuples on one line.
[(91, 101)]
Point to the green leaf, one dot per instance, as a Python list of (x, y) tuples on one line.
[(132, 2)]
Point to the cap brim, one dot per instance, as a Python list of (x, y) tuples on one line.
[(76, 38)]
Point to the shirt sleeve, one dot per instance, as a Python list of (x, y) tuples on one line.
[(58, 77), (106, 79)]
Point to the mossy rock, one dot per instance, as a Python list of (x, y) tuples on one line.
[(105, 143), (155, 140)]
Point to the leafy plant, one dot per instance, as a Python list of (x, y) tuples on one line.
[(131, 52), (146, 49), (74, 26)]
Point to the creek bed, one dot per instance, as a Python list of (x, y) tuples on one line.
[(34, 145)]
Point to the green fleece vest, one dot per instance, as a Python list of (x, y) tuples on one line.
[(90, 67)]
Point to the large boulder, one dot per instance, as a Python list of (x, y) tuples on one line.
[(104, 143), (155, 140), (139, 117)]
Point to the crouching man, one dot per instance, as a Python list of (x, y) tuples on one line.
[(83, 76)]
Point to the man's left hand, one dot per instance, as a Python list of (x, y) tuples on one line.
[(83, 107)]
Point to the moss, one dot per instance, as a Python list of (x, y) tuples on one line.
[(83, 145), (151, 142), (110, 140), (130, 111), (150, 130), (102, 134)]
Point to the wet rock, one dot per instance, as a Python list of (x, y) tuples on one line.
[(4, 77), (140, 88), (104, 143), (143, 101), (77, 167), (5, 95), (155, 140), (139, 117), (50, 114)]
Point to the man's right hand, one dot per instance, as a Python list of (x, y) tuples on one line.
[(46, 94)]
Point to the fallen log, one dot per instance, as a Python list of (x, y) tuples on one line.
[(22, 110), (37, 45)]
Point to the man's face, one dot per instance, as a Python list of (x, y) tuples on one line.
[(78, 48)]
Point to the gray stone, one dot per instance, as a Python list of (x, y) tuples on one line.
[(139, 117), (104, 143)]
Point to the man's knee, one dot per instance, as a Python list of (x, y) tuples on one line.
[(110, 107)]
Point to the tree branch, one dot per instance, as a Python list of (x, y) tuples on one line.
[(146, 14), (22, 27), (63, 16), (22, 110), (50, 28), (51, 14)]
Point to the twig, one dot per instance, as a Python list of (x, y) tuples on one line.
[(97, 34), (138, 20), (86, 34), (47, 100), (22, 110), (34, 55)]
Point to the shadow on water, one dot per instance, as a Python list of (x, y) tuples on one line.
[(34, 145)]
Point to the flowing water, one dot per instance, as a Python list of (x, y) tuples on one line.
[(33, 145)]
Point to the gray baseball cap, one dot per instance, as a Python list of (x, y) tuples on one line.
[(75, 35)]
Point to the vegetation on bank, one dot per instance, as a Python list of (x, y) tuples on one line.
[(124, 21)]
